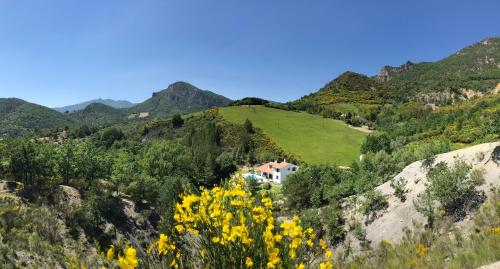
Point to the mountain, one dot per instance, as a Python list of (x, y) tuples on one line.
[(349, 87), (249, 101), (179, 98), (474, 68), (108, 102), (18, 117), (470, 72), (98, 114)]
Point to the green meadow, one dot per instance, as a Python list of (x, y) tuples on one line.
[(313, 138)]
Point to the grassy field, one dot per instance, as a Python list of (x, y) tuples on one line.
[(311, 137)]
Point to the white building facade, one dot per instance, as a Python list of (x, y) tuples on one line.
[(276, 171)]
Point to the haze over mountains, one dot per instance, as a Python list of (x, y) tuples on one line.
[(108, 102)]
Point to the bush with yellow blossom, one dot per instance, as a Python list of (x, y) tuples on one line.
[(227, 227)]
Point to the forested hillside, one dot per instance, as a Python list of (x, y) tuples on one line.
[(18, 117), (98, 114), (476, 67)]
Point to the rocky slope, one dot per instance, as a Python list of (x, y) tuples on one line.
[(390, 223)]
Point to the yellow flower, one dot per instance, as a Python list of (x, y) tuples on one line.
[(237, 203), (300, 266), (421, 250), (326, 265), (179, 228), (163, 245), (328, 254), (322, 243), (111, 253), (248, 262), (129, 261), (267, 202)]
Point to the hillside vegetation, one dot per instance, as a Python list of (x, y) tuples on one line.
[(475, 67), (97, 114), (313, 138), (18, 117)]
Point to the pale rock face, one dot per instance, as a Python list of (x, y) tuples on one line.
[(390, 223), (497, 88), (387, 72)]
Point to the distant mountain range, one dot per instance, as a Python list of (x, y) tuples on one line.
[(470, 72), (18, 117), (108, 102)]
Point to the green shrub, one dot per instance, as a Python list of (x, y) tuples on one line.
[(399, 188), (454, 188), (373, 202), (333, 220)]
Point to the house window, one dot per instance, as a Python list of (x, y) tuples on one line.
[(294, 169), (277, 177), (277, 170), (288, 168)]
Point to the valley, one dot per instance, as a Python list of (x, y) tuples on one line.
[(398, 170)]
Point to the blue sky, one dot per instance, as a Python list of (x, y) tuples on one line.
[(61, 52)]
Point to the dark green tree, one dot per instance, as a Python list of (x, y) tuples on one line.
[(177, 121)]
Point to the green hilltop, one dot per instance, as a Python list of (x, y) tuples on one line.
[(18, 117), (99, 114), (312, 138)]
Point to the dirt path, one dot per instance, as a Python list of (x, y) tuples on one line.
[(363, 129)]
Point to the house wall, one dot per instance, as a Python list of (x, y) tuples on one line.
[(284, 173)]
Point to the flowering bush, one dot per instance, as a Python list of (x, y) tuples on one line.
[(227, 227)]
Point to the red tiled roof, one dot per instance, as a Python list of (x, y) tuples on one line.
[(265, 167), (279, 165)]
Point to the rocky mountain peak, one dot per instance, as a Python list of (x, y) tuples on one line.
[(387, 72)]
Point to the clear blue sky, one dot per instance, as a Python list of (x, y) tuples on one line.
[(62, 52)]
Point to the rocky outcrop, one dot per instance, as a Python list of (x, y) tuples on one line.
[(388, 72), (447, 95), (390, 223)]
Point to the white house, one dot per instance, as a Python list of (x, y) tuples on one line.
[(275, 171)]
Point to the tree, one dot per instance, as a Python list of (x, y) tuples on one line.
[(109, 136), (376, 142), (304, 189), (454, 188), (23, 161), (125, 169), (225, 166), (177, 121), (374, 201), (92, 164), (334, 221), (426, 206), (248, 126), (66, 163), (165, 158)]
